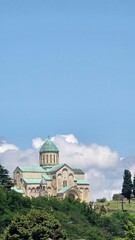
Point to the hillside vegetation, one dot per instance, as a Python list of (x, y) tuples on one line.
[(126, 205), (69, 218), (118, 205)]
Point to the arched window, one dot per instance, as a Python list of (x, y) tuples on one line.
[(71, 196), (59, 175), (71, 179), (64, 183), (65, 172), (33, 190), (81, 189), (59, 181), (38, 188)]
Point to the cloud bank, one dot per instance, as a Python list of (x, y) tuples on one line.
[(103, 166)]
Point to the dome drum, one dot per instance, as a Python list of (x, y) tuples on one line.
[(49, 154)]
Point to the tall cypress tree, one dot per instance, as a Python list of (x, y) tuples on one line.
[(134, 185), (127, 185)]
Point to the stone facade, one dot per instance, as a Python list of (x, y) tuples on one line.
[(51, 178)]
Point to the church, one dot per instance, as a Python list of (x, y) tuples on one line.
[(51, 178)]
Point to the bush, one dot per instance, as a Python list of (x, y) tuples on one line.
[(102, 200)]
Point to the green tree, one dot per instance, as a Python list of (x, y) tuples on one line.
[(134, 186), (115, 223), (35, 225), (130, 231), (127, 185), (4, 211), (11, 203), (17, 202), (5, 179)]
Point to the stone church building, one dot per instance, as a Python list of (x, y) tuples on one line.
[(51, 178)]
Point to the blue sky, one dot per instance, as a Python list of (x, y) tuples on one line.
[(67, 70), (68, 67)]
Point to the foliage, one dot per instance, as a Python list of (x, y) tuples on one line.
[(35, 225), (134, 186), (102, 200), (78, 219), (75, 217), (130, 231), (117, 205), (17, 202), (11, 202), (116, 222), (127, 185), (5, 179), (5, 213)]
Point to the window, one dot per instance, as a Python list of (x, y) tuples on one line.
[(38, 188), (64, 183), (43, 159), (46, 158), (65, 173)]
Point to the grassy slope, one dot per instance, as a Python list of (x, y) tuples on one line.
[(118, 205)]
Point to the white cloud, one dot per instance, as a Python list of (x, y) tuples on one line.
[(37, 142), (117, 183), (70, 138), (11, 156), (11, 159), (103, 167), (86, 156), (132, 170), (6, 146)]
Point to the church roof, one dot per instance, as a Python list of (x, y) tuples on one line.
[(63, 190), (57, 167), (48, 146), (46, 177), (31, 169), (78, 171), (17, 189), (32, 180), (82, 182)]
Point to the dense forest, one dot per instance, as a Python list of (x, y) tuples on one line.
[(43, 218)]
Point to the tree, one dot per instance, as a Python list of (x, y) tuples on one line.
[(11, 203), (134, 186), (4, 213), (127, 185), (130, 231), (35, 225), (5, 179)]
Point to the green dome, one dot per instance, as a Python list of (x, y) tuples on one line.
[(49, 146)]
